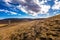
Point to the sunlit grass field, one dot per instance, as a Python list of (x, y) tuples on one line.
[(47, 29)]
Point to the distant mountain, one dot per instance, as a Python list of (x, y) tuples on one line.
[(28, 19), (18, 20), (14, 20)]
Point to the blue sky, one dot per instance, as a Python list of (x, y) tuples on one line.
[(29, 8)]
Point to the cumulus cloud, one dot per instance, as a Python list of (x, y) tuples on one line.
[(32, 7), (6, 11), (44, 9), (56, 5)]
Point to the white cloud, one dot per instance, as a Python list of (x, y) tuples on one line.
[(14, 13), (56, 5), (35, 8), (22, 8), (6, 11), (2, 10), (31, 7), (7, 2), (44, 9)]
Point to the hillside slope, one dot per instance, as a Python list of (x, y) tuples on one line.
[(46, 29)]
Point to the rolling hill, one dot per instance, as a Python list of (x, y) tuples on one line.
[(30, 29)]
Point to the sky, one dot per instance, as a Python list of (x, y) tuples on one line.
[(29, 8)]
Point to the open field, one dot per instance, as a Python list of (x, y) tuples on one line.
[(46, 29), (2, 25)]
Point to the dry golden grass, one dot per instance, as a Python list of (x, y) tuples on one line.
[(2, 25), (47, 29)]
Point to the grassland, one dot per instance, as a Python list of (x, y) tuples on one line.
[(47, 29)]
